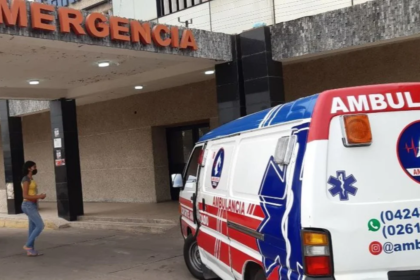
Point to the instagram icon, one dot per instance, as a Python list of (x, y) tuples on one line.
[(375, 248)]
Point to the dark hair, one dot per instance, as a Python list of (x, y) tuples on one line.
[(26, 166)]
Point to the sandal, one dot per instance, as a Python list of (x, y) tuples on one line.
[(33, 253)]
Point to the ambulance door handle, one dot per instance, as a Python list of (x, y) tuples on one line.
[(204, 204)]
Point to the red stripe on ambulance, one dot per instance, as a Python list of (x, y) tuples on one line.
[(214, 247), (221, 226), (215, 224), (187, 213), (185, 226), (185, 202), (245, 239), (213, 211), (239, 259), (245, 221)]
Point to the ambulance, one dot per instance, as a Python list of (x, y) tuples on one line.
[(325, 187)]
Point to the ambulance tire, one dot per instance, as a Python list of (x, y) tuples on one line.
[(259, 275), (192, 257)]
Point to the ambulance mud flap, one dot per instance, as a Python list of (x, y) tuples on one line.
[(208, 274)]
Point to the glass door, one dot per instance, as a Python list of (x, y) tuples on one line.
[(181, 141)]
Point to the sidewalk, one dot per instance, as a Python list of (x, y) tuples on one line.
[(167, 211), (88, 254)]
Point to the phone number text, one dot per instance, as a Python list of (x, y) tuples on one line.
[(404, 214), (392, 230)]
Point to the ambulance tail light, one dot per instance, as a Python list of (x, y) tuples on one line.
[(356, 130), (317, 253)]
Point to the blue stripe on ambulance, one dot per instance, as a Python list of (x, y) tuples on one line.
[(281, 248), (296, 110)]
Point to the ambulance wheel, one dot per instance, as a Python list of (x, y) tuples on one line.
[(192, 257), (259, 275)]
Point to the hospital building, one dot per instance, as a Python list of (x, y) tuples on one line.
[(109, 97)]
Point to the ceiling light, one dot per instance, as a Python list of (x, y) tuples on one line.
[(103, 64), (34, 82), (210, 72), (138, 87)]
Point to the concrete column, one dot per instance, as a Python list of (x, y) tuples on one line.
[(262, 76), (229, 86), (160, 164), (13, 154), (252, 81), (68, 179)]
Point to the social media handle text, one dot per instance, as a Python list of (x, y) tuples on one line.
[(376, 248)]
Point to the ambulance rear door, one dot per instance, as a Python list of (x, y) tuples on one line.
[(369, 198)]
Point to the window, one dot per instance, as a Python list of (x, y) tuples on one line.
[(58, 3), (193, 164), (167, 7)]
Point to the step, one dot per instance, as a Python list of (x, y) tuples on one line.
[(21, 222), (126, 220), (123, 226)]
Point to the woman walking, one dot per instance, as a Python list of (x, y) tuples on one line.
[(30, 207)]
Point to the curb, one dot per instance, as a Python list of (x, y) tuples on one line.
[(23, 224)]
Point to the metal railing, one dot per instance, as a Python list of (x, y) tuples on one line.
[(167, 7)]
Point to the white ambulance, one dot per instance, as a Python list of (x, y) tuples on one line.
[(325, 187)]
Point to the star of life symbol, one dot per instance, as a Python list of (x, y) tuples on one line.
[(342, 185)]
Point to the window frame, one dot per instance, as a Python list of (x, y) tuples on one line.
[(199, 148)]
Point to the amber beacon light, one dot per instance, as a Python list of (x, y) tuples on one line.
[(356, 130)]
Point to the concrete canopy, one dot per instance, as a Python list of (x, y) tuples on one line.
[(66, 64)]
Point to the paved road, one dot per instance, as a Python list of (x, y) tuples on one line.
[(81, 255)]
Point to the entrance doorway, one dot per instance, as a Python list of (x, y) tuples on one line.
[(181, 141)]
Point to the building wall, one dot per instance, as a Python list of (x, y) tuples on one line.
[(104, 8), (227, 16), (286, 10), (122, 142), (200, 16), (86, 4), (231, 16), (139, 9), (385, 64), (350, 28)]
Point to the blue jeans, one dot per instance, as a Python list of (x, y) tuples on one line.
[(36, 225)]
